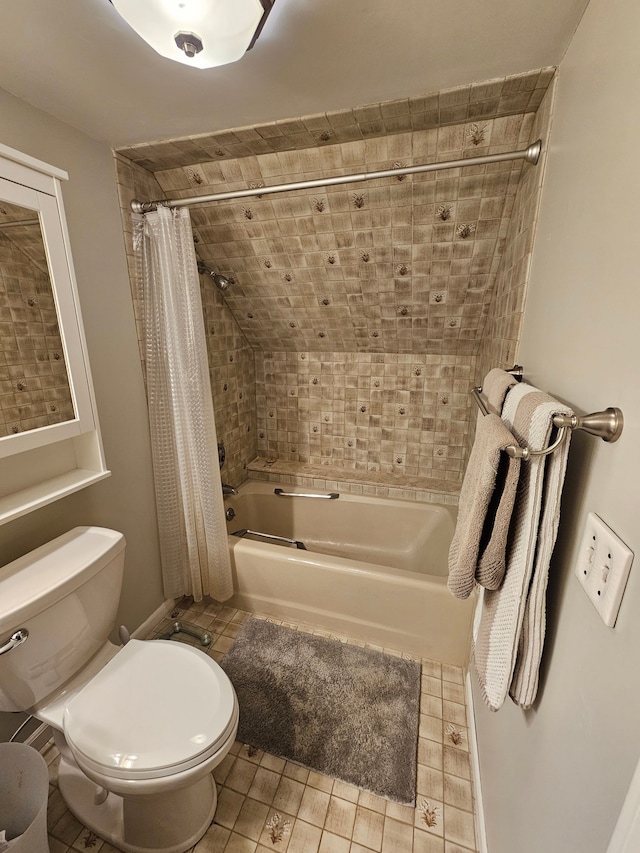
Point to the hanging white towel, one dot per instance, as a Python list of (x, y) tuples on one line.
[(524, 684), (528, 413)]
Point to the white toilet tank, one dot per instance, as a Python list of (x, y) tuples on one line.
[(65, 594)]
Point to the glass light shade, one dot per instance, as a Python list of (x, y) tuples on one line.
[(225, 27)]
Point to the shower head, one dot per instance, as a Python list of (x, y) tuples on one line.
[(221, 281)]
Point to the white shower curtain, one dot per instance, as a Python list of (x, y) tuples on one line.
[(193, 535)]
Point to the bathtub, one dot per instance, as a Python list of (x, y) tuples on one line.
[(374, 568)]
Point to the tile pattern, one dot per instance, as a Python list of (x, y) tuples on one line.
[(402, 416), (233, 384), (499, 347), (362, 267), (267, 803), (133, 181), (502, 331), (476, 103), (34, 390), (231, 359), (370, 483)]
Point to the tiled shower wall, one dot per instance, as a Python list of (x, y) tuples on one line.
[(231, 361), (367, 305), (502, 332), (34, 390), (403, 416)]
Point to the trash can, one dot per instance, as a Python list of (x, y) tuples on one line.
[(24, 787)]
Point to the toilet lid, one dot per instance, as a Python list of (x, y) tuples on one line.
[(156, 708)]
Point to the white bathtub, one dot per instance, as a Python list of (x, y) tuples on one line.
[(374, 568)]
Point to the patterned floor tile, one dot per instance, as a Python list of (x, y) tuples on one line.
[(267, 803)]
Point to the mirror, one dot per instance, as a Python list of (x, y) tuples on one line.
[(50, 443), (34, 386), (42, 343)]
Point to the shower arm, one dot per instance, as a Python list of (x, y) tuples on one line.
[(530, 155)]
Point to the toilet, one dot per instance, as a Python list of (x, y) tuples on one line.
[(140, 727)]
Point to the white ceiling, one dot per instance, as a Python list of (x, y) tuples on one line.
[(79, 61)]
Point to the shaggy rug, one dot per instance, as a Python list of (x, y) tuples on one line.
[(349, 712)]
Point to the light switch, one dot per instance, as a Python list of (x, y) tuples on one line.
[(603, 567)]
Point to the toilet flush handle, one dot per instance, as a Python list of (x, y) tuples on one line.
[(16, 639)]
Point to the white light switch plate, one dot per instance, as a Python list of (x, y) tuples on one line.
[(603, 567)]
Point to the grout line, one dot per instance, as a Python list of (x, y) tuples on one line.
[(481, 832)]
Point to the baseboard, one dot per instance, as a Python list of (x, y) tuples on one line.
[(149, 624), (481, 834)]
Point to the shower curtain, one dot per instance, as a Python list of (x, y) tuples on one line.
[(193, 534)]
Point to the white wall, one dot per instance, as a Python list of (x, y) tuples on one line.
[(554, 779), (125, 501)]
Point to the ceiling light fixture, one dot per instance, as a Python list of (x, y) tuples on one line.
[(200, 33)]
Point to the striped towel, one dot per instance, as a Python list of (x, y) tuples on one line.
[(510, 627)]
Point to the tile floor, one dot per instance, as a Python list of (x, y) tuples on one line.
[(268, 804)]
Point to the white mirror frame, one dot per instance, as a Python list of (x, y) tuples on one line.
[(40, 465)]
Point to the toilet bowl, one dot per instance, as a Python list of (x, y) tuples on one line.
[(140, 727)]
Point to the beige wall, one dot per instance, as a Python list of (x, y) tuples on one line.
[(125, 500), (554, 779)]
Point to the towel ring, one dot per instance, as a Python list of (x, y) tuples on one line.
[(517, 452)]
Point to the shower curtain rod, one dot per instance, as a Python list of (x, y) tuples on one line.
[(530, 154)]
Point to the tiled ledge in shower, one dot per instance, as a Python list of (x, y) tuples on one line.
[(369, 483)]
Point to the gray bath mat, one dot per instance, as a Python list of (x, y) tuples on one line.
[(349, 712)]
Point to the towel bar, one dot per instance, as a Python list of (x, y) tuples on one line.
[(332, 496), (606, 425), (244, 532)]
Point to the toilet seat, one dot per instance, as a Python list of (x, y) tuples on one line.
[(156, 709)]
